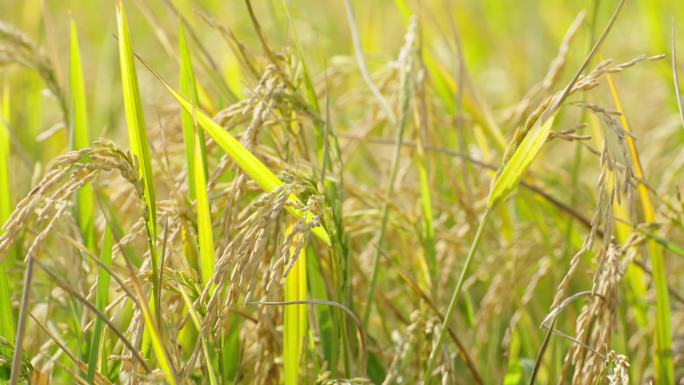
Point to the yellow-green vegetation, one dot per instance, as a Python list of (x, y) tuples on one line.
[(341, 192)]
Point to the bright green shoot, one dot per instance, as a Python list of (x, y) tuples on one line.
[(80, 138), (196, 161), (137, 137), (7, 327), (295, 322), (101, 302)]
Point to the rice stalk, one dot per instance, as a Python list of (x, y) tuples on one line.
[(406, 60), (17, 368)]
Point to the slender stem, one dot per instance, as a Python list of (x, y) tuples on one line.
[(21, 326), (374, 269), (389, 189), (363, 67), (542, 350), (454, 297)]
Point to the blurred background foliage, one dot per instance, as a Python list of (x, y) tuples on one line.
[(507, 47)]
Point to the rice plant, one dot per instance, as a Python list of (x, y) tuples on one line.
[(350, 192)]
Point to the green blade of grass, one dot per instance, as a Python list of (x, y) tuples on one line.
[(151, 328), (194, 316), (428, 230), (521, 159), (101, 303), (295, 321), (204, 231), (669, 245), (80, 138), (134, 116), (137, 137), (188, 89), (231, 352), (7, 328), (196, 162), (5, 191), (245, 160)]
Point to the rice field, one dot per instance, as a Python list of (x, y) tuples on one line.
[(341, 192)]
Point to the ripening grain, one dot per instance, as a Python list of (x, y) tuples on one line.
[(305, 192)]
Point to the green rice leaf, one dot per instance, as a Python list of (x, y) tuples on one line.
[(188, 89), (137, 138), (428, 229), (204, 231), (196, 320), (101, 302), (155, 339), (295, 321), (231, 352), (78, 121), (7, 327), (135, 119), (80, 138), (196, 162), (521, 159)]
